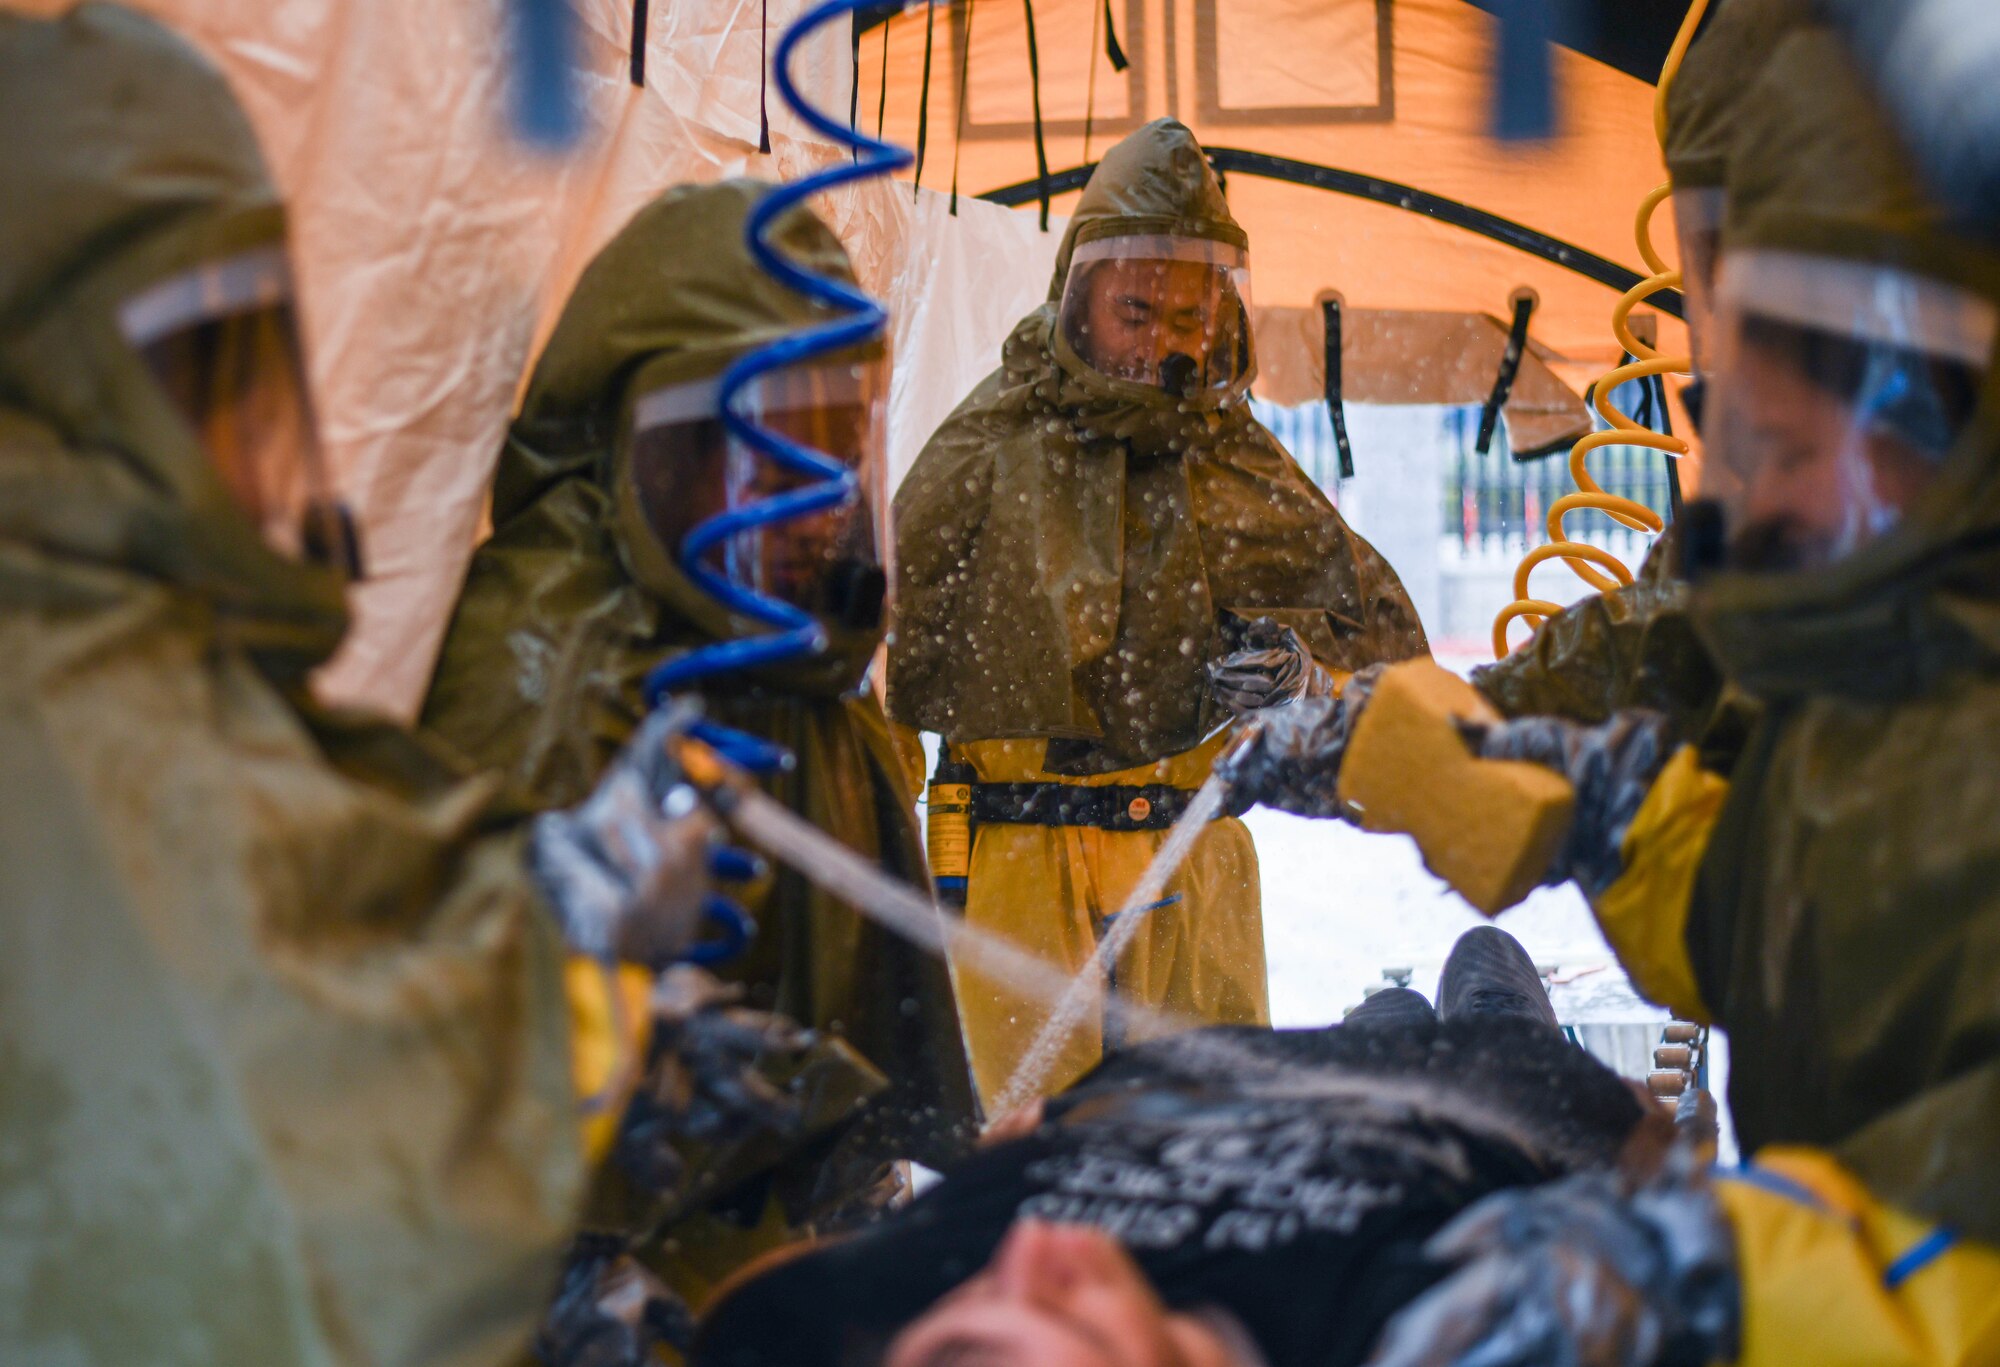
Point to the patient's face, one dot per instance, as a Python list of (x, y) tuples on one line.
[(1057, 1296)]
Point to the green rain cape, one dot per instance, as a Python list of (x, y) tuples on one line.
[(1066, 550), (284, 1070), (572, 601), (1846, 921)]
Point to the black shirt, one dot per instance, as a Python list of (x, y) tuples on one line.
[(1289, 1177)]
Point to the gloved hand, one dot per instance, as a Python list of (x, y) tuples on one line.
[(1270, 668), (1584, 1272), (609, 1311), (1611, 766), (703, 1082), (1289, 757), (627, 872)]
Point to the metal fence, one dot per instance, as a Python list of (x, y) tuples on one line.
[(1307, 432), (1494, 505), (1491, 506)]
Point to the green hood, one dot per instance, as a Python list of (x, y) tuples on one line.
[(675, 297), (138, 165), (571, 602), (1156, 182), (1819, 170), (1706, 97), (1843, 922), (1067, 544), (286, 1073)]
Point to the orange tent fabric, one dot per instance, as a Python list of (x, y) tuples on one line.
[(1396, 90)]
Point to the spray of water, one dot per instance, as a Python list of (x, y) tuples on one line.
[(904, 911), (1032, 1073)]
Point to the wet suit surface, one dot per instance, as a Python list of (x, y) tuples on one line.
[(1296, 1195)]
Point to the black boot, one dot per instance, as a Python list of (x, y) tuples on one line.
[(1394, 1008), (1489, 974)]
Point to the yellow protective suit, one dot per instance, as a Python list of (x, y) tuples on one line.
[(1054, 886), (1831, 902), (1073, 551), (1835, 1278), (1832, 1274)]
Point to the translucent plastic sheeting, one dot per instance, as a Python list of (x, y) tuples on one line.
[(434, 252)]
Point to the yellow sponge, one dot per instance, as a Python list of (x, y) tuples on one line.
[(1488, 827)]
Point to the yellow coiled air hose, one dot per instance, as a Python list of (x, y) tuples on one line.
[(1598, 567)]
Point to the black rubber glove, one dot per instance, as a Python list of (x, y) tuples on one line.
[(609, 1311), (1611, 766), (1584, 1272), (627, 871), (1270, 668), (1289, 757), (704, 1079)]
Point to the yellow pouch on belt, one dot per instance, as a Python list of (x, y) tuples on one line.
[(948, 830)]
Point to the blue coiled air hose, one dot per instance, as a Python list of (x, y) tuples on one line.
[(796, 633)]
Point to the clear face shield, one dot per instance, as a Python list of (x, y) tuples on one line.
[(685, 468), (223, 344), (1166, 313), (1839, 390), (1698, 228)]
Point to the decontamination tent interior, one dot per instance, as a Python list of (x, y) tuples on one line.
[(1398, 90), (435, 250)]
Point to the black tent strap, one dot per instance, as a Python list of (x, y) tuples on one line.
[(882, 99), (1113, 53), (1090, 83), (1335, 408), (924, 104), (1460, 215), (763, 80), (1510, 366), (1660, 418), (639, 15), (854, 85), (1035, 90), (958, 136)]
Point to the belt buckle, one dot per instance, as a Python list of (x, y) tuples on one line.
[(1138, 809)]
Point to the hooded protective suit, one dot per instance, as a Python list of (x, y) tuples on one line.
[(573, 600), (1845, 920), (286, 1075), (1072, 549), (1842, 923)]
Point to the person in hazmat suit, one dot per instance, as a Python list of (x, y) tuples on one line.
[(310, 1034), (1831, 903), (617, 454), (1097, 525)]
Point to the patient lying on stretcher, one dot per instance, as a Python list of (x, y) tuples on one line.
[(1232, 1198)]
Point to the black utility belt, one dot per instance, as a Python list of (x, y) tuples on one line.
[(1153, 807)]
